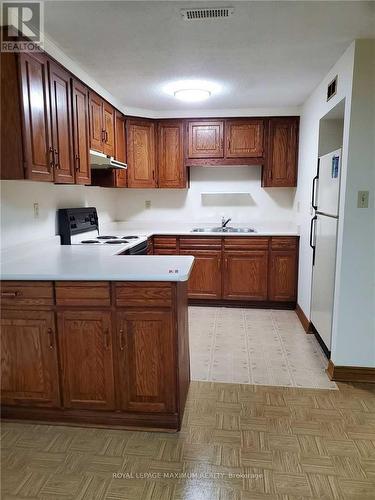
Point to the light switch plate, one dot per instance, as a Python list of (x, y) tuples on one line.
[(362, 199)]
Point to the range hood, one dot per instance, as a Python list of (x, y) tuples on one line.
[(102, 161)]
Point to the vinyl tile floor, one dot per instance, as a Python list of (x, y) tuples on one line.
[(254, 346), (237, 442)]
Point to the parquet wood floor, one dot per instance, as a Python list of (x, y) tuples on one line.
[(238, 442)]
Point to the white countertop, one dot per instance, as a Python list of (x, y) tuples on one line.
[(94, 263), (49, 261), (186, 229)]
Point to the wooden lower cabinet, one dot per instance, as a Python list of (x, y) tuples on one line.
[(86, 357), (118, 357), (205, 278), (146, 361), (29, 370), (283, 275), (245, 275)]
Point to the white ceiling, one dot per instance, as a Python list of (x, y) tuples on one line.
[(269, 54)]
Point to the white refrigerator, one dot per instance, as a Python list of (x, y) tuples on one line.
[(323, 240)]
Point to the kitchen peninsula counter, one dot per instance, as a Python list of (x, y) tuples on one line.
[(90, 337)]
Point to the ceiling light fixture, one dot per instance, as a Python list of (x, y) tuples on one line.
[(192, 95), (192, 90)]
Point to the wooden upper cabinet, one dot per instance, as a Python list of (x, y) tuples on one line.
[(36, 117), (80, 96), (62, 137), (141, 153), (245, 275), (29, 373), (108, 129), (205, 139), (102, 125), (281, 164), (10, 109), (283, 275), (120, 149), (244, 138), (147, 381), (205, 278), (96, 122), (171, 168), (86, 358)]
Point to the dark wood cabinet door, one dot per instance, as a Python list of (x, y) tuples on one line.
[(80, 108), (29, 374), (109, 129), (283, 275), (62, 128), (120, 148), (146, 344), (86, 358), (244, 138), (171, 168), (96, 122), (281, 164), (141, 154), (205, 278), (36, 117), (205, 139), (245, 275)]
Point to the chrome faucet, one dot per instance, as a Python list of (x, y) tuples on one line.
[(224, 222)]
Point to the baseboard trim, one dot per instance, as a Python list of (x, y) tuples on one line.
[(351, 373), (303, 319), (246, 304)]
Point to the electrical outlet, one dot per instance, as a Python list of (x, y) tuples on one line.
[(36, 210), (362, 199), (148, 204)]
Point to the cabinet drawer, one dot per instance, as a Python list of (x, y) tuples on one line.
[(94, 293), (243, 242), (165, 251), (23, 293), (199, 242), (165, 242), (282, 242), (141, 294)]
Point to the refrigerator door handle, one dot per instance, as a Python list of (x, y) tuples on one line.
[(313, 193), (312, 233)]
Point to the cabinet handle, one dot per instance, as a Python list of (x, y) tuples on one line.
[(121, 339), (106, 338), (103, 135), (78, 162), (228, 144), (218, 263), (106, 136), (50, 336), (10, 294), (52, 157), (57, 163)]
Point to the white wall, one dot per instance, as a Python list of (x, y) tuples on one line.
[(353, 330), (257, 205), (18, 224), (312, 111), (354, 316)]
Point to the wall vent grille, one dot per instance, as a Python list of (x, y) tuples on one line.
[(332, 88), (202, 14)]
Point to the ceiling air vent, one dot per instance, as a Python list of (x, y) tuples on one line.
[(332, 88), (201, 14)]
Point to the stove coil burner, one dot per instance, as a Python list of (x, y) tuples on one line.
[(115, 242), (107, 237), (129, 237), (90, 241)]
